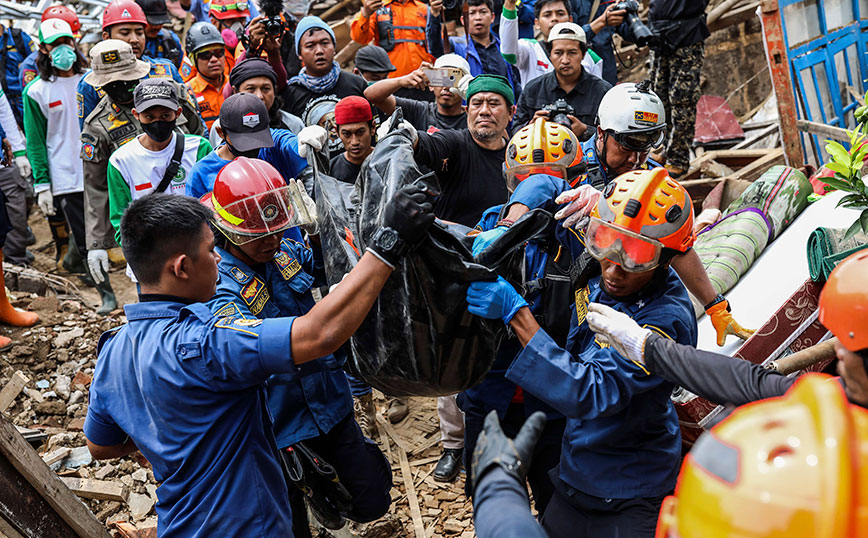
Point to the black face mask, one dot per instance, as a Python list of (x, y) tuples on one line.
[(159, 131), (121, 91), (250, 154)]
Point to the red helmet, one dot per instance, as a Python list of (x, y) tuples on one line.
[(250, 199), (122, 12), (63, 13), (229, 9)]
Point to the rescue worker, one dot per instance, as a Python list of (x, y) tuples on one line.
[(230, 17), (622, 444), (28, 70), (15, 46), (263, 276), (218, 466), (110, 125), (398, 27), (548, 291), (123, 20), (205, 47), (160, 42)]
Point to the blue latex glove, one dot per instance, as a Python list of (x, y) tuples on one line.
[(486, 238), (538, 191), (492, 300)]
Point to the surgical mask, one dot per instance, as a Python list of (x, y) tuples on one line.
[(159, 131), (63, 57), (121, 91), (250, 154)]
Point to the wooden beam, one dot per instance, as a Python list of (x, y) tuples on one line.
[(12, 389), (101, 490), (56, 455), (773, 128), (756, 168), (735, 16), (823, 130), (412, 498), (27, 462)]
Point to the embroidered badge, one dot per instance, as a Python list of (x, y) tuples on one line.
[(255, 295), (87, 151), (582, 304), (238, 275), (289, 267), (230, 309)]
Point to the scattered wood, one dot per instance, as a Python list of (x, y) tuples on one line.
[(56, 455), (402, 444), (823, 130), (101, 490), (412, 498), (12, 389), (773, 128)]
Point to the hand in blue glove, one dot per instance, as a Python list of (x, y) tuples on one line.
[(486, 238), (492, 300)]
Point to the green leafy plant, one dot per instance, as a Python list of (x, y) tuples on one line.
[(847, 166)]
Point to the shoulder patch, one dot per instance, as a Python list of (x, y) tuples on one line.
[(582, 304), (238, 324), (87, 151), (229, 309), (159, 70), (289, 267), (239, 275), (255, 295)]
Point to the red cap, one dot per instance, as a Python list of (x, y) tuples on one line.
[(353, 109)]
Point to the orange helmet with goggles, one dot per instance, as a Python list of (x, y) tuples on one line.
[(844, 302), (543, 147), (786, 467), (229, 9), (250, 199), (640, 213)]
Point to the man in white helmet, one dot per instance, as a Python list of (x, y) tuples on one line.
[(445, 112)]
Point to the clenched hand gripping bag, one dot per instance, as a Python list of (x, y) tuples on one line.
[(418, 339)]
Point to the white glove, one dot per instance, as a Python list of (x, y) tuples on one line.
[(98, 263), (618, 330), (383, 131), (305, 205), (313, 136), (23, 164), (461, 90), (581, 201), (45, 200)]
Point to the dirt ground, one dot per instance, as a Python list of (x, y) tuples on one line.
[(57, 356)]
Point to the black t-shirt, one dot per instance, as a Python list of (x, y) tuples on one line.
[(423, 116), (471, 177), (544, 90), (343, 170)]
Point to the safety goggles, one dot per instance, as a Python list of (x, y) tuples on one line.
[(633, 252), (639, 142), (248, 219), (210, 53), (517, 174), (240, 6)]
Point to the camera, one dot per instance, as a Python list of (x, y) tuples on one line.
[(274, 25), (559, 112), (644, 36)]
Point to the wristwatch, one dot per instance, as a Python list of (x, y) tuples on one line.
[(388, 245)]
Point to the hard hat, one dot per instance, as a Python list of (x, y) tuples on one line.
[(542, 147), (122, 12), (452, 60), (201, 35), (229, 9), (844, 302), (634, 114), (786, 467), (66, 14), (640, 213), (250, 199)]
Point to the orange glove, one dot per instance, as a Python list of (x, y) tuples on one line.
[(723, 323)]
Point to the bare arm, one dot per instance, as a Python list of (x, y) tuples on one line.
[(380, 94), (524, 325), (101, 452), (691, 271)]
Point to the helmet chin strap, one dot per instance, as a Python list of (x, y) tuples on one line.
[(602, 156)]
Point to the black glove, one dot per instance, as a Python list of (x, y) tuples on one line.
[(493, 447), (405, 223)]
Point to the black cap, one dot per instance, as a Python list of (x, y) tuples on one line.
[(155, 11), (373, 59), (153, 92), (251, 68), (244, 118)]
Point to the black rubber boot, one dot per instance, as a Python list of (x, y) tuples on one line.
[(60, 234), (106, 294)]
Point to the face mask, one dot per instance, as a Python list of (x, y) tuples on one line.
[(159, 131), (121, 91), (230, 38), (250, 154), (63, 57)]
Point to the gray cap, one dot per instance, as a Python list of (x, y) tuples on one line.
[(373, 59), (153, 92), (244, 118)]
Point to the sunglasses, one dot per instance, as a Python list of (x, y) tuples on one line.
[(208, 54), (639, 142)]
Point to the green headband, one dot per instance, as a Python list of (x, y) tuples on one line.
[(491, 83)]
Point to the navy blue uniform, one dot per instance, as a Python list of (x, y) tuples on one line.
[(188, 388), (597, 176), (13, 56), (500, 508), (166, 45)]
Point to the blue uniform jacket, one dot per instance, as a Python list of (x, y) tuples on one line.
[(28, 66), (13, 64), (187, 387), (622, 438), (495, 391), (595, 167), (88, 96), (154, 47), (315, 397)]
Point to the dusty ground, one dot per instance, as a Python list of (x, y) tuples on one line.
[(58, 355)]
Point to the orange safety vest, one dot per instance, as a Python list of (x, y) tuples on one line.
[(399, 28), (209, 99)]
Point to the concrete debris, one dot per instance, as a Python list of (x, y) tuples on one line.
[(140, 505)]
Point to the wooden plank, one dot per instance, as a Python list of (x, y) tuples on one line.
[(56, 455), (393, 434), (733, 158), (856, 95), (23, 509), (823, 130), (25, 459), (12, 389), (734, 16), (412, 498), (762, 134), (756, 168), (101, 490), (431, 441)]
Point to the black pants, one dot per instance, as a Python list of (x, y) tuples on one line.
[(362, 469), (573, 514), (14, 189), (546, 454), (72, 205)]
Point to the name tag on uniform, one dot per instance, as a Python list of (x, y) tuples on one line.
[(255, 295), (288, 267)]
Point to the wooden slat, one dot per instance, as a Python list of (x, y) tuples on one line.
[(23, 509), (393, 434), (762, 134), (12, 389), (101, 490), (24, 458), (412, 498), (823, 130)]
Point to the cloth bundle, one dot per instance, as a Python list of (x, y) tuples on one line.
[(827, 247)]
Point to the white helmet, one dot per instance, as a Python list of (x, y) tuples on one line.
[(452, 60), (632, 109)]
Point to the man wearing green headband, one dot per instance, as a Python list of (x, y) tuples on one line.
[(469, 163)]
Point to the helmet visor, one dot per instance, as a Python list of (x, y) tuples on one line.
[(250, 218), (633, 252), (519, 173), (640, 142)]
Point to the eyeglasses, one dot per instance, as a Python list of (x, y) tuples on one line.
[(639, 142), (208, 54)]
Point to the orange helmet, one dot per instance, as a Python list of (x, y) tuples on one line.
[(543, 147), (66, 14), (121, 12), (641, 213), (250, 199), (786, 467), (844, 302), (229, 9)]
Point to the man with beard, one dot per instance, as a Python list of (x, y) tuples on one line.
[(445, 112)]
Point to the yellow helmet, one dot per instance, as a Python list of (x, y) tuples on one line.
[(543, 147), (787, 467)]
